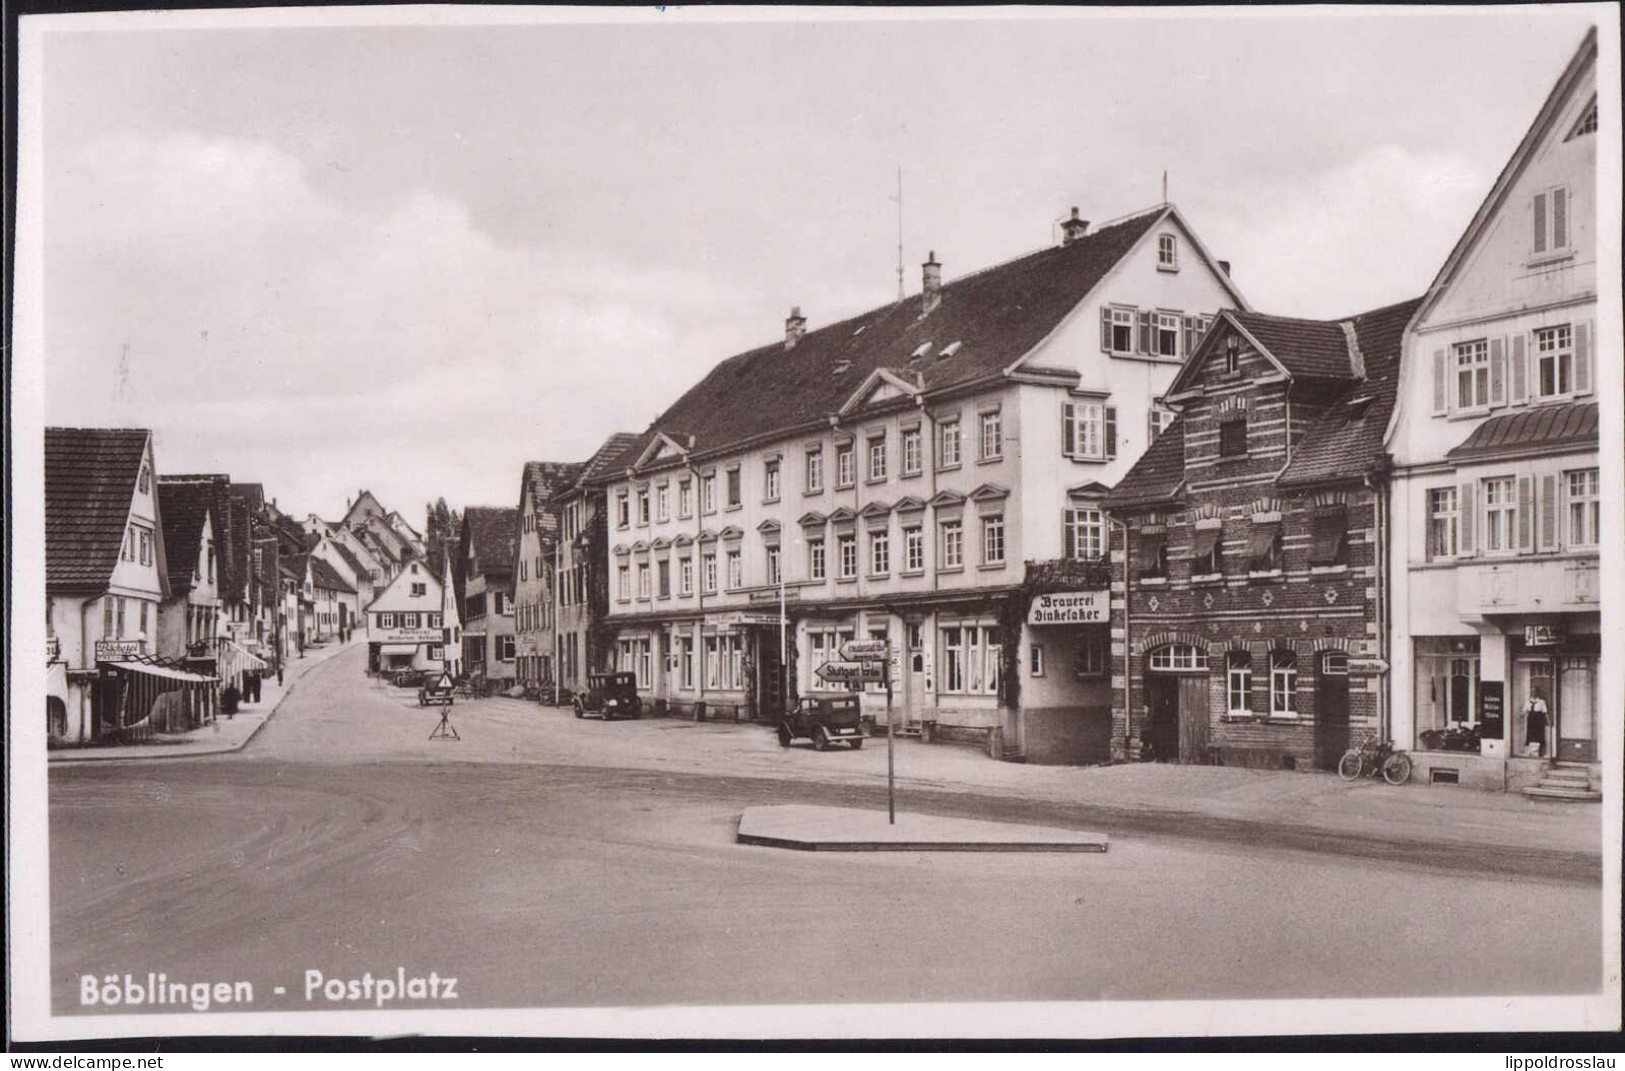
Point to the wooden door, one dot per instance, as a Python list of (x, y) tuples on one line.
[(1577, 710), (1160, 733), (1193, 719), (1331, 710)]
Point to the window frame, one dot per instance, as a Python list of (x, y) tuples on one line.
[(1577, 507), (879, 552), (948, 432), (846, 466), (770, 480), (1238, 683), (734, 488), (1495, 514), (1561, 358), (1283, 684), (1123, 318), (879, 466), (1167, 252), (817, 559), (950, 543), (913, 461), (1227, 435), (812, 470), (993, 542), (991, 445), (846, 556), (1078, 520), (1442, 520), (1471, 361), (1166, 327), (734, 563)]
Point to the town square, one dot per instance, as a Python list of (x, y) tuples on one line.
[(460, 596)]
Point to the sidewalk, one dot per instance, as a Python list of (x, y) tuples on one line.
[(227, 734)]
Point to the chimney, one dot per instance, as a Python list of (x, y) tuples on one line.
[(1224, 266), (931, 283), (795, 325), (1074, 228)]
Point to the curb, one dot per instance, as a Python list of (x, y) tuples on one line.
[(914, 845), (204, 752), (812, 828)]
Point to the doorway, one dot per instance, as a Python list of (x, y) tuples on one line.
[(1331, 709), (1161, 731), (768, 694)]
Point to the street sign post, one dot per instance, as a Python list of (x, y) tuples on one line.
[(850, 672), (865, 650)]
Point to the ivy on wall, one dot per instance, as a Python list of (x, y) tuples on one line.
[(1043, 578)]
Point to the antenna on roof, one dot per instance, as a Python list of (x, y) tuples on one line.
[(1165, 187), (899, 200)]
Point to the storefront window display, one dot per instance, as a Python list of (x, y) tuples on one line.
[(1447, 688)]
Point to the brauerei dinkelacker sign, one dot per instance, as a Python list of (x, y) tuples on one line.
[(1070, 608)]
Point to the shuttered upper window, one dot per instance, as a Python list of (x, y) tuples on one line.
[(1089, 431), (1329, 534), (1549, 218)]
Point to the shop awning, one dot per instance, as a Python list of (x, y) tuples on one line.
[(164, 672), (1261, 540), (398, 648), (1148, 552), (235, 658), (1330, 529), (1206, 539)]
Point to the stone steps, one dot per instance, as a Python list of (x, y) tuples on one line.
[(1565, 781)]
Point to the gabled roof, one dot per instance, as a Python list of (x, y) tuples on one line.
[(323, 575), (493, 532), (90, 477), (349, 558), (183, 508), (1544, 429), (229, 516), (1573, 76), (1313, 348), (998, 315), (611, 450), (546, 481), (1346, 441), (1158, 477)]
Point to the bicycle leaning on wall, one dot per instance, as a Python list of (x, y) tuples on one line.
[(1372, 757)]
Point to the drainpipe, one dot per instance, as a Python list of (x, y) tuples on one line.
[(1128, 680), (1380, 511), (85, 662)]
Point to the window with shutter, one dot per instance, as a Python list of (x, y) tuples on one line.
[(1105, 329), (1069, 434), (1498, 377), (1263, 546), (1146, 328), (1440, 401), (1520, 370), (1150, 557), (1111, 432), (1205, 554), (1548, 512), (1525, 514), (1560, 219), (1469, 519), (1582, 358), (1540, 222)]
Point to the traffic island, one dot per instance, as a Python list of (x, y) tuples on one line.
[(840, 829)]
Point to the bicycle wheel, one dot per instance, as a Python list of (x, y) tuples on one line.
[(1397, 770), (1350, 765)]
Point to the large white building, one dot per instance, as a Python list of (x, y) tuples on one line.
[(894, 474), (1496, 490)]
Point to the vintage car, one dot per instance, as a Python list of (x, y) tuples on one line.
[(406, 678), (609, 696), (436, 690), (824, 719)]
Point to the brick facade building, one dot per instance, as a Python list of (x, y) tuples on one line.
[(1247, 609)]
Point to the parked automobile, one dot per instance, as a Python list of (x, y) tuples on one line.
[(824, 719), (406, 678), (609, 696)]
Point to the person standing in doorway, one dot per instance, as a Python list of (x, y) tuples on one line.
[(1535, 713), (279, 673)]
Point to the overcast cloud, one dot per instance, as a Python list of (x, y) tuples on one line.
[(411, 258)]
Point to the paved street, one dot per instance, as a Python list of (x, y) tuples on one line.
[(549, 861)]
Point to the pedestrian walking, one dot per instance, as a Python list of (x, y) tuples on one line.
[(279, 674)]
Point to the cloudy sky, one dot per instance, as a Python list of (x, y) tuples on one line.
[(410, 257)]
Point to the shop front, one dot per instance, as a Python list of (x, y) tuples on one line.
[(1496, 710), (1065, 716)]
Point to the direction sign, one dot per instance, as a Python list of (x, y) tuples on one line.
[(864, 650), (845, 672)]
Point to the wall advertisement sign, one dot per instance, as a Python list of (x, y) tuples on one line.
[(1070, 608)]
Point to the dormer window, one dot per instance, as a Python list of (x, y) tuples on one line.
[(1232, 356), (1167, 253)]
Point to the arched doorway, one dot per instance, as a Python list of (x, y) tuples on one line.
[(56, 718), (1176, 685), (1331, 709)]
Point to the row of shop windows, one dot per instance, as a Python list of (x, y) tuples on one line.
[(1515, 513), (1451, 695)]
